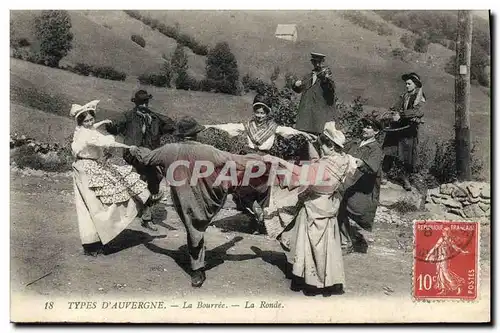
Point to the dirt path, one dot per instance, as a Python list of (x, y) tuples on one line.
[(44, 239)]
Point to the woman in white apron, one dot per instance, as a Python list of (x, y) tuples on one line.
[(312, 240), (108, 197)]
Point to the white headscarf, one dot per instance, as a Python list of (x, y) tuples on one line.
[(77, 109)]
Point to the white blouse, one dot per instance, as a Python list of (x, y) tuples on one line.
[(89, 143), (235, 129)]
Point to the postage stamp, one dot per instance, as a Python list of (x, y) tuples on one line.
[(446, 256)]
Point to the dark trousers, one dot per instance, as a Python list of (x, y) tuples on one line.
[(350, 230), (150, 174), (195, 230)]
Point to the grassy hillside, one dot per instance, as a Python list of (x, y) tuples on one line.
[(95, 44), (27, 121), (54, 90), (157, 44), (360, 59)]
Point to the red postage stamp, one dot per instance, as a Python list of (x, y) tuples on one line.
[(446, 260)]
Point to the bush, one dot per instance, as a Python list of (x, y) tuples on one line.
[(208, 85), (139, 40), (408, 41), (443, 167), (249, 83), (404, 207), (134, 14), (421, 45), (157, 80), (363, 21), (172, 32), (451, 66), (82, 69), (109, 73), (27, 157), (350, 117), (290, 79), (185, 82), (221, 140), (401, 54), (200, 49), (23, 42), (452, 45)]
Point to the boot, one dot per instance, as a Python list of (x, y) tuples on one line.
[(198, 278), (147, 219), (93, 249), (258, 214), (157, 197), (406, 184)]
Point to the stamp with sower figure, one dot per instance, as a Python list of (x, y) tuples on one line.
[(446, 257)]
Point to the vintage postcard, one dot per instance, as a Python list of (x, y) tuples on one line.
[(250, 166)]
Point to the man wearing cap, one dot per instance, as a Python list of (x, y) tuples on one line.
[(317, 104), (360, 201), (142, 127), (401, 139), (195, 203)]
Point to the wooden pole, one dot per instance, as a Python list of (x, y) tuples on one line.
[(462, 95)]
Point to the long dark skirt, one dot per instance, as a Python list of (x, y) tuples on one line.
[(403, 145), (245, 196)]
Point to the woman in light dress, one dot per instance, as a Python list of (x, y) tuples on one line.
[(312, 240), (260, 132), (108, 197)]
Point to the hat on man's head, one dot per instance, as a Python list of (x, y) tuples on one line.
[(188, 126), (373, 121), (264, 101), (77, 109), (331, 131), (141, 97), (414, 77), (317, 56)]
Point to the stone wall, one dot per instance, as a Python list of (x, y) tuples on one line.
[(17, 140), (465, 199)]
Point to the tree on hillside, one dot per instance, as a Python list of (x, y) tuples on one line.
[(167, 71), (53, 29), (179, 66), (222, 68)]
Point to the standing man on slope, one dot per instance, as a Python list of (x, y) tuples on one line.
[(317, 104), (142, 127)]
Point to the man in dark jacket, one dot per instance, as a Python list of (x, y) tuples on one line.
[(317, 104), (143, 128), (360, 201)]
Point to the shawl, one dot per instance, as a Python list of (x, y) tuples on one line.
[(259, 133), (419, 97)]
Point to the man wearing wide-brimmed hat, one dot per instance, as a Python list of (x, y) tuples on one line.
[(317, 104), (360, 201), (195, 203), (143, 128)]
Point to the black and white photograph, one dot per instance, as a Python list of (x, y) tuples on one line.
[(250, 166)]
